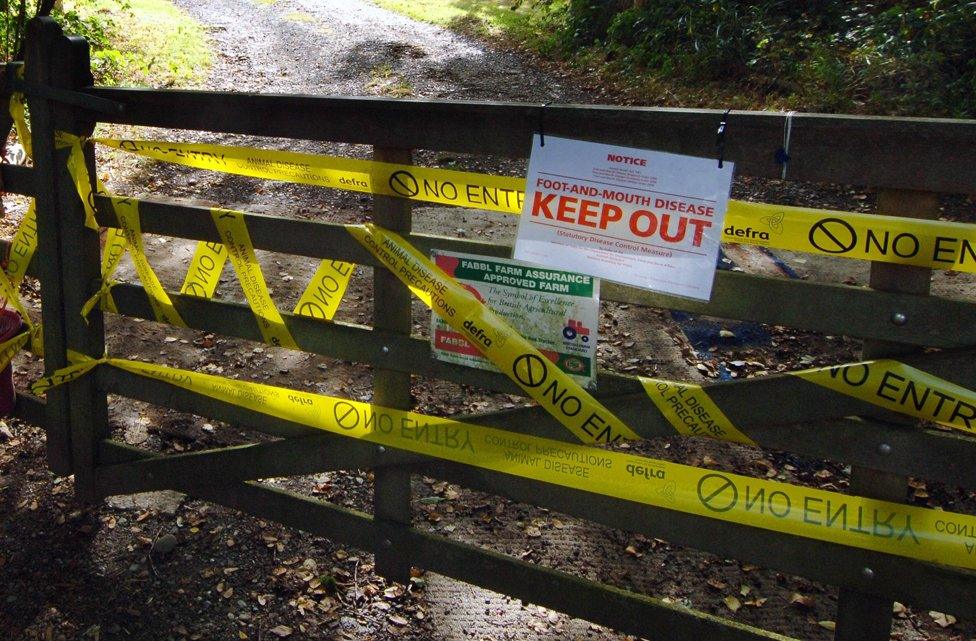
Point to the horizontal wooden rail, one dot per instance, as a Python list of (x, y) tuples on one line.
[(905, 153), (909, 581), (832, 309), (767, 408), (920, 584), (17, 179), (624, 610), (287, 457)]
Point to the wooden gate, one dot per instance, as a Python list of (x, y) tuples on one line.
[(909, 161)]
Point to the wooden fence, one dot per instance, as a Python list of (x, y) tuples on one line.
[(908, 160)]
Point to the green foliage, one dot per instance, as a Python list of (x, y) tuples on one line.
[(97, 27), (905, 57), (101, 30), (139, 42)]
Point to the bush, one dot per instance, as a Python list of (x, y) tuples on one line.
[(81, 18), (909, 56)]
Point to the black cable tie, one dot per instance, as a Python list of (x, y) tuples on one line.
[(720, 137), (542, 124)]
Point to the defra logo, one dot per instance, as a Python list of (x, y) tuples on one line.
[(477, 333), (646, 471)]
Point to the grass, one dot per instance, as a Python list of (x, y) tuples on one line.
[(299, 16), (385, 82), (154, 43), (482, 17)]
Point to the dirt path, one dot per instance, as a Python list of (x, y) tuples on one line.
[(165, 567)]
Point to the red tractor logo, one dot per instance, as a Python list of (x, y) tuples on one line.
[(575, 328)]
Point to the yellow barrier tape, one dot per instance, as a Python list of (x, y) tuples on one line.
[(233, 232), (554, 390), (18, 113), (322, 297), (934, 244), (203, 276), (891, 528), (115, 246), (127, 212), (22, 246), (443, 186), (79, 174), (924, 243), (8, 291), (11, 347), (80, 365), (901, 388), (690, 410)]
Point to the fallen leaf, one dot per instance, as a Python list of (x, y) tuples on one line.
[(718, 585), (533, 532), (801, 600), (396, 619), (942, 620), (632, 551), (281, 631), (732, 603), (827, 625), (744, 590)]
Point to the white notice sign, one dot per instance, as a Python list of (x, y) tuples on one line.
[(644, 218)]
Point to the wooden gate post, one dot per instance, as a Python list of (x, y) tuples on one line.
[(861, 616), (77, 413), (391, 312)]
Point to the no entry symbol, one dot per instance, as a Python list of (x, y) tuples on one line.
[(717, 492), (833, 236), (530, 370), (404, 184)]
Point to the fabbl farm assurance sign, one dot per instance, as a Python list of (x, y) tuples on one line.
[(557, 311), (634, 216)]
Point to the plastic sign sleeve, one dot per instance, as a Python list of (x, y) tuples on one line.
[(553, 389), (237, 241)]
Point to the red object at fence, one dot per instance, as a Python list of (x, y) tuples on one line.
[(10, 326)]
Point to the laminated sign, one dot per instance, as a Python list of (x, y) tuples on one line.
[(556, 311), (639, 217)]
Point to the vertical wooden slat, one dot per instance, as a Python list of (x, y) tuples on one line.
[(391, 311), (70, 269), (41, 57), (860, 616)]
